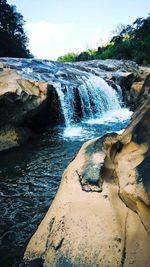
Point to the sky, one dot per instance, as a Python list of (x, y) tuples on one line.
[(56, 27)]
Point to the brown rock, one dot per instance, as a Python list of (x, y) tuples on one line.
[(136, 87), (145, 91), (13, 137), (8, 81), (124, 79), (101, 213), (23, 104), (139, 91)]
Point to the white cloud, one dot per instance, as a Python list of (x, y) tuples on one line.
[(45, 39), (49, 41), (99, 38)]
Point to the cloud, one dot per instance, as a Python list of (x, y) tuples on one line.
[(99, 38), (45, 39), (49, 41)]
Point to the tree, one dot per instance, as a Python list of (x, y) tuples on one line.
[(69, 57), (119, 28), (13, 40), (129, 42)]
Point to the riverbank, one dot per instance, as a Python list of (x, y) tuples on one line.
[(78, 102), (108, 224), (32, 93)]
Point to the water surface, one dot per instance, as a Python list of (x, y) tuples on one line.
[(30, 176)]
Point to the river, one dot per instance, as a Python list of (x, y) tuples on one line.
[(30, 175)]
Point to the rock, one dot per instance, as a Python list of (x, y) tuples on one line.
[(136, 87), (124, 79), (8, 81), (101, 213), (118, 72), (144, 92), (25, 105), (133, 94), (13, 137), (144, 71), (139, 90), (27, 101)]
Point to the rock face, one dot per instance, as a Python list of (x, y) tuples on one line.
[(101, 213), (32, 92), (11, 136), (124, 73), (24, 106)]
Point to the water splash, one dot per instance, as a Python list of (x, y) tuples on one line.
[(90, 100), (121, 114)]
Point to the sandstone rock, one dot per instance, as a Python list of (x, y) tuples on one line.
[(136, 87), (8, 81), (13, 137), (25, 104), (34, 104), (139, 90), (143, 71), (145, 91), (101, 213)]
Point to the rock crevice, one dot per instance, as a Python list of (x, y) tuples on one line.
[(102, 217)]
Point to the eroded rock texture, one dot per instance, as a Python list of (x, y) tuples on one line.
[(25, 105), (101, 213), (32, 92)]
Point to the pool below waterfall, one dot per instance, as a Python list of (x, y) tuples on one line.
[(30, 177)]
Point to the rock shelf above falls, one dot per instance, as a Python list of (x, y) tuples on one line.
[(100, 215), (37, 93)]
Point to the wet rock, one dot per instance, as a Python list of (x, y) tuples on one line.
[(25, 105), (110, 227), (30, 92), (139, 90), (144, 92), (13, 136), (34, 263)]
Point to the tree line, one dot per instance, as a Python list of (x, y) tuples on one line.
[(13, 39), (131, 42)]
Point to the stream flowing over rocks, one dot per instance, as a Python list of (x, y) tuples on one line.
[(54, 108)]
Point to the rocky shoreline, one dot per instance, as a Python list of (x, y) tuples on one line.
[(24, 108), (101, 213), (26, 104)]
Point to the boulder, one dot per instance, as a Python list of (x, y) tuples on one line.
[(34, 104), (25, 105), (139, 90), (13, 136), (101, 213), (144, 92)]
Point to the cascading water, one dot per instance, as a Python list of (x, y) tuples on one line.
[(101, 97), (96, 98), (30, 175), (80, 96)]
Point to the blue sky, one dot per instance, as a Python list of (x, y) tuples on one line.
[(56, 27)]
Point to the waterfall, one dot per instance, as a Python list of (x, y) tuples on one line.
[(91, 99)]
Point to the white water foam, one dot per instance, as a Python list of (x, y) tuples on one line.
[(90, 127), (74, 131), (95, 95), (121, 115)]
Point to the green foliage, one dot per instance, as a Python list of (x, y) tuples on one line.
[(13, 40), (130, 42), (133, 42), (72, 57), (69, 57)]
